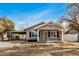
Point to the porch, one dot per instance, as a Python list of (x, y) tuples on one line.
[(47, 35)]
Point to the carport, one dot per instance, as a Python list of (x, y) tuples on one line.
[(17, 35)]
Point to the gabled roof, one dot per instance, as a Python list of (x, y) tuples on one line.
[(50, 24), (41, 23)]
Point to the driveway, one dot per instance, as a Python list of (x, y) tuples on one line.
[(22, 43), (8, 44)]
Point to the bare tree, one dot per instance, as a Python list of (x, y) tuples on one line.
[(73, 12), (63, 22)]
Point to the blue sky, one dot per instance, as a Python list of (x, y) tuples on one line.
[(32, 13)]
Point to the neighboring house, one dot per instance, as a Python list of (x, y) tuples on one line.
[(45, 32)]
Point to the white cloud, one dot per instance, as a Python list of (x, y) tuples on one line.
[(24, 18)]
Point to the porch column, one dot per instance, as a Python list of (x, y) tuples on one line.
[(27, 35), (38, 35), (10, 36), (62, 35)]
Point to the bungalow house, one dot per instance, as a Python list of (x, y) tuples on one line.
[(45, 32), (41, 32)]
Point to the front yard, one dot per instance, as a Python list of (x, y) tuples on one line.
[(41, 49)]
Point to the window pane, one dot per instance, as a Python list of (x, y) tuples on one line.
[(33, 34), (53, 34)]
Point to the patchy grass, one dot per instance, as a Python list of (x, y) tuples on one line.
[(42, 49)]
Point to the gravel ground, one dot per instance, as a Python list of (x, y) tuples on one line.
[(39, 49)]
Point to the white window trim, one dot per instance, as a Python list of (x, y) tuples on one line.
[(55, 34), (34, 34)]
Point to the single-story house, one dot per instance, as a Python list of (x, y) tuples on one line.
[(41, 32), (45, 32)]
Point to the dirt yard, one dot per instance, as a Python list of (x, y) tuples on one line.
[(41, 49)]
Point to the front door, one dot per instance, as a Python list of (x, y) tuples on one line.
[(45, 35)]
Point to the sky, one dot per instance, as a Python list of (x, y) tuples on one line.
[(32, 13)]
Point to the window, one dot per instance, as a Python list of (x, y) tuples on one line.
[(33, 34), (53, 34)]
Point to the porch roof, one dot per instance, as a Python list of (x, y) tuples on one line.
[(18, 32)]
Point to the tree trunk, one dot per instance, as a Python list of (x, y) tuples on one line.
[(1, 37), (78, 36)]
